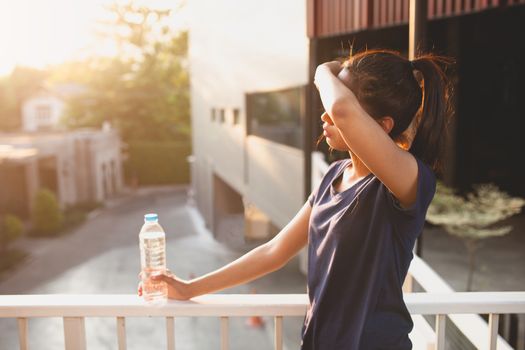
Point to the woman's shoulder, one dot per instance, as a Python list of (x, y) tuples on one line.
[(425, 190), (425, 171)]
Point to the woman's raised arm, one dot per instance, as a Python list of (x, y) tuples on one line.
[(395, 167)]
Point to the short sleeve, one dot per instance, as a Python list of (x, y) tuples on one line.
[(411, 220), (311, 197), (325, 181)]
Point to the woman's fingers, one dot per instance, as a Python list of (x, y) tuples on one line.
[(334, 66), (167, 272), (176, 288), (162, 277)]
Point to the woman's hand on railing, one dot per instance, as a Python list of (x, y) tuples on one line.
[(178, 289)]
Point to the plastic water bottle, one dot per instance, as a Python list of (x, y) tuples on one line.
[(153, 258)]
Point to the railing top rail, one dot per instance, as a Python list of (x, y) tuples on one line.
[(130, 305), (102, 305), (466, 303)]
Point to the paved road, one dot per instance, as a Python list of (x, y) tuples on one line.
[(102, 256)]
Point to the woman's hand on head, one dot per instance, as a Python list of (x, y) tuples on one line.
[(338, 99), (334, 66), (331, 67)]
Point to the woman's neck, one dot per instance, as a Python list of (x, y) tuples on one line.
[(358, 168)]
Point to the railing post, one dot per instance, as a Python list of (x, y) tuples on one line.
[(74, 333), (22, 333), (225, 341), (121, 333), (493, 330), (278, 339), (440, 331), (170, 332), (521, 332)]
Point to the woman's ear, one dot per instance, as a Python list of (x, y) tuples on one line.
[(387, 123)]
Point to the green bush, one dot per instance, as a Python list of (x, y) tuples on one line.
[(10, 229), (158, 163), (47, 216)]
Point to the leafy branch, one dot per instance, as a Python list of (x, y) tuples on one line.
[(471, 218)]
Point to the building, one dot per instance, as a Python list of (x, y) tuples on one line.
[(80, 166), (485, 38), (44, 108), (263, 65), (255, 111)]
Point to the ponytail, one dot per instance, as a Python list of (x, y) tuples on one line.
[(385, 85), (433, 117)]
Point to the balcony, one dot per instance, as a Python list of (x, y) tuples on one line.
[(446, 306), (441, 316)]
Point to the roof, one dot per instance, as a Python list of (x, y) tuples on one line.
[(13, 154)]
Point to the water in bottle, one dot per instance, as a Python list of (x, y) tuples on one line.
[(152, 258)]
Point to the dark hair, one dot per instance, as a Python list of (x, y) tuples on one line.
[(385, 84)]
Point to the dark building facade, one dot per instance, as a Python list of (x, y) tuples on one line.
[(485, 38)]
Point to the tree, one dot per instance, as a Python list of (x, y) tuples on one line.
[(471, 218), (10, 229), (144, 91), (47, 216)]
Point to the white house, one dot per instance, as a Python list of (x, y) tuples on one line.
[(44, 109)]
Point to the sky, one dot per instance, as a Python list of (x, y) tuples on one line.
[(38, 33)]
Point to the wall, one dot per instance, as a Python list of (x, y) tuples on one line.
[(103, 149), (78, 163), (237, 47), (276, 179)]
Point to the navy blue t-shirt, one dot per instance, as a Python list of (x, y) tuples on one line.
[(360, 244)]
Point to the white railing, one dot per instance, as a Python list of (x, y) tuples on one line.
[(75, 308)]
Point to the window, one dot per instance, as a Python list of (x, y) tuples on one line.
[(213, 114), (277, 115), (236, 116), (43, 114), (222, 115)]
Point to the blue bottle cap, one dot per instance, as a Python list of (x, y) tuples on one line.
[(152, 217)]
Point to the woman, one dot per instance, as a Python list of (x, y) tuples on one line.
[(362, 221)]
